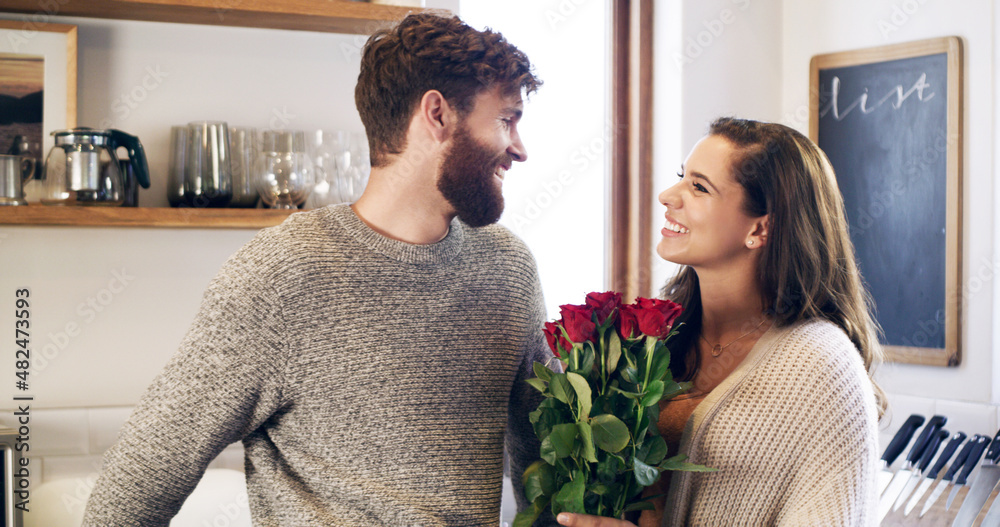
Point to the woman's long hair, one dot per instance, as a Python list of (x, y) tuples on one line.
[(807, 267)]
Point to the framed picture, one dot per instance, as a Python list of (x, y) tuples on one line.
[(37, 83), (890, 120)]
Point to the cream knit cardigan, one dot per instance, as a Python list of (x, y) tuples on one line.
[(793, 434)]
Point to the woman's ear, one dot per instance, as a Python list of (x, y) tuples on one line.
[(758, 236)]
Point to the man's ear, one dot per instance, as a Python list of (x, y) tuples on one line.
[(436, 115)]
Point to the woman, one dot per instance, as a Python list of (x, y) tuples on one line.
[(779, 341)]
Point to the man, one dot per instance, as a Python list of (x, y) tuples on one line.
[(371, 357)]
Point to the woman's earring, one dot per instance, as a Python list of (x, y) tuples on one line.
[(750, 243)]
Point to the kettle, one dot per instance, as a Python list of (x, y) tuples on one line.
[(83, 167)]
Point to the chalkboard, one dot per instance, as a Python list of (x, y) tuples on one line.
[(889, 119)]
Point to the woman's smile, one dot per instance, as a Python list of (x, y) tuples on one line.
[(672, 228)]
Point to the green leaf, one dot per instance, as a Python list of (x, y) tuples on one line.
[(629, 358), (527, 517), (645, 475), (630, 374), (661, 364), (570, 496), (644, 505), (586, 359), (583, 394), (547, 451), (587, 437), (539, 480), (563, 439), (653, 450), (653, 393), (677, 463), (614, 351), (598, 488), (541, 371), (609, 467), (561, 388), (603, 404), (610, 433), (643, 427), (537, 384), (550, 412), (672, 389), (630, 395), (654, 417)]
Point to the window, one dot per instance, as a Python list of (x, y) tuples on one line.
[(557, 200)]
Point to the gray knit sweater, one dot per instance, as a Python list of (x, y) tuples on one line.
[(369, 380)]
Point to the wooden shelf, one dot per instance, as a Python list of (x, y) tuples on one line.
[(142, 217), (330, 16)]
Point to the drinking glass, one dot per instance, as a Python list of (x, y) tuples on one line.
[(243, 154), (208, 180), (284, 170), (323, 149), (175, 166), (354, 167)]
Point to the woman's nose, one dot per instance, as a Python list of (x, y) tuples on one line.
[(669, 197)]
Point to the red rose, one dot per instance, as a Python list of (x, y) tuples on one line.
[(604, 304), (627, 323), (578, 322), (651, 322), (554, 336), (670, 309), (655, 317)]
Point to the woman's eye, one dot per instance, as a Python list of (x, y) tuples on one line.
[(680, 175), (700, 188)]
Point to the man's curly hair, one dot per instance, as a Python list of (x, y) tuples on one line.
[(431, 52)]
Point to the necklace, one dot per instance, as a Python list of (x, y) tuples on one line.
[(718, 348)]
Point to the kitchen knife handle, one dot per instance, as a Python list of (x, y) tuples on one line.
[(970, 464), (963, 456), (902, 438), (993, 454), (946, 454), (931, 450), (929, 431)]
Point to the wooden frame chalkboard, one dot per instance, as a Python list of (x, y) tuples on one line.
[(890, 120)]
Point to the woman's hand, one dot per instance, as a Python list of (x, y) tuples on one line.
[(585, 520)]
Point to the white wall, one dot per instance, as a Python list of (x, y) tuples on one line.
[(712, 58), (813, 27), (731, 60), (255, 77)]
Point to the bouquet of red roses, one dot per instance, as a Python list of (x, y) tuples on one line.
[(597, 424)]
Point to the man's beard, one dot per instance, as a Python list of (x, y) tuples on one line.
[(466, 179)]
